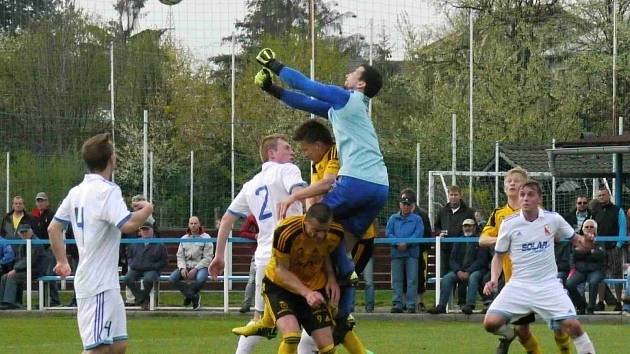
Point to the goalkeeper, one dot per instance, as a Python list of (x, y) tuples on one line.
[(362, 187)]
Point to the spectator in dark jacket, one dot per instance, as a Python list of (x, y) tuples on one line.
[(42, 216), (10, 282), (448, 222), (563, 252), (579, 214), (145, 260), (468, 263), (422, 264), (14, 218), (611, 221), (589, 266)]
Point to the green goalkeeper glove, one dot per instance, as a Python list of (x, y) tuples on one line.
[(267, 58), (265, 82)]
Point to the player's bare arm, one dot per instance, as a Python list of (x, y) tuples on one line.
[(143, 209), (495, 272), (583, 243), (286, 279), (332, 287), (284, 205), (55, 233), (218, 262), (317, 189)]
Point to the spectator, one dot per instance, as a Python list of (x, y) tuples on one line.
[(611, 221), (7, 257), (193, 259), (579, 214), (563, 253), (10, 297), (15, 217), (589, 266), (145, 260), (626, 297), (468, 263), (405, 224), (481, 222), (449, 220), (249, 230), (42, 216)]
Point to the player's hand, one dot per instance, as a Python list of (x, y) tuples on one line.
[(11, 274), (192, 274), (315, 299), (184, 273), (263, 79), (490, 287), (216, 267), (333, 291), (140, 204), (283, 206), (62, 269), (267, 58)]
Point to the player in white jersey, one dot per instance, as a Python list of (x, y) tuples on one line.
[(260, 196), (529, 238), (97, 212)]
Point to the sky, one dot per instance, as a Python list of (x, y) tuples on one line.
[(201, 24)]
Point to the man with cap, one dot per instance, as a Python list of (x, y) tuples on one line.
[(405, 224), (42, 216), (468, 263), (145, 261), (17, 277)]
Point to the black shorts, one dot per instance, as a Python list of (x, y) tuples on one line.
[(284, 302), (531, 318)]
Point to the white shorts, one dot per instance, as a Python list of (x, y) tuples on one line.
[(548, 299), (102, 319), (259, 303)]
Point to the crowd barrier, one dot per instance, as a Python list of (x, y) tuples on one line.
[(437, 241)]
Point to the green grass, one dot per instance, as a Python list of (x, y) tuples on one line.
[(52, 334)]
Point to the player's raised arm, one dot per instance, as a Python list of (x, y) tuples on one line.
[(143, 210), (334, 95)]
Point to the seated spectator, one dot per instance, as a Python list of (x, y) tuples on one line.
[(405, 224), (7, 257), (193, 259), (42, 216), (563, 251), (14, 218), (15, 278), (468, 263), (145, 260), (589, 267)]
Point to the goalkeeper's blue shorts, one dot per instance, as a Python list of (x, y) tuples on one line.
[(355, 203)]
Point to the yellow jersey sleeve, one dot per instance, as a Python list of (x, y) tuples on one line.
[(329, 164), (492, 226)]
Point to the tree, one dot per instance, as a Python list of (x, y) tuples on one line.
[(18, 15)]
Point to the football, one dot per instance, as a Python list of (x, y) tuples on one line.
[(170, 2)]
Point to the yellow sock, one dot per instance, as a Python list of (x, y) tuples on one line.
[(563, 343), (353, 344), (531, 345), (289, 343), (329, 349), (267, 317)]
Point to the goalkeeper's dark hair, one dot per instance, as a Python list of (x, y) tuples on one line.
[(373, 80), (535, 185), (320, 212), (312, 131), (97, 151)]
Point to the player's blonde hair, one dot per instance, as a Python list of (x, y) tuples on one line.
[(518, 170), (270, 142)]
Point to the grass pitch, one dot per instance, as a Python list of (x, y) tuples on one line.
[(58, 333)]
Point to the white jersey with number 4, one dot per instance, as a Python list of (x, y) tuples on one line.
[(260, 197), (97, 211), (531, 245)]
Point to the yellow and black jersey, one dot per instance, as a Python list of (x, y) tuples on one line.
[(492, 229), (329, 164), (306, 256)]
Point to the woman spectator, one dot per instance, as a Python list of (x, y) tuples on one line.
[(589, 267)]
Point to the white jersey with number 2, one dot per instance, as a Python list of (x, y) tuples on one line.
[(260, 197)]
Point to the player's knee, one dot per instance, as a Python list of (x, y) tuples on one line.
[(491, 323), (572, 327)]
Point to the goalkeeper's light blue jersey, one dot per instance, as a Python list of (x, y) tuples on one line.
[(357, 143)]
